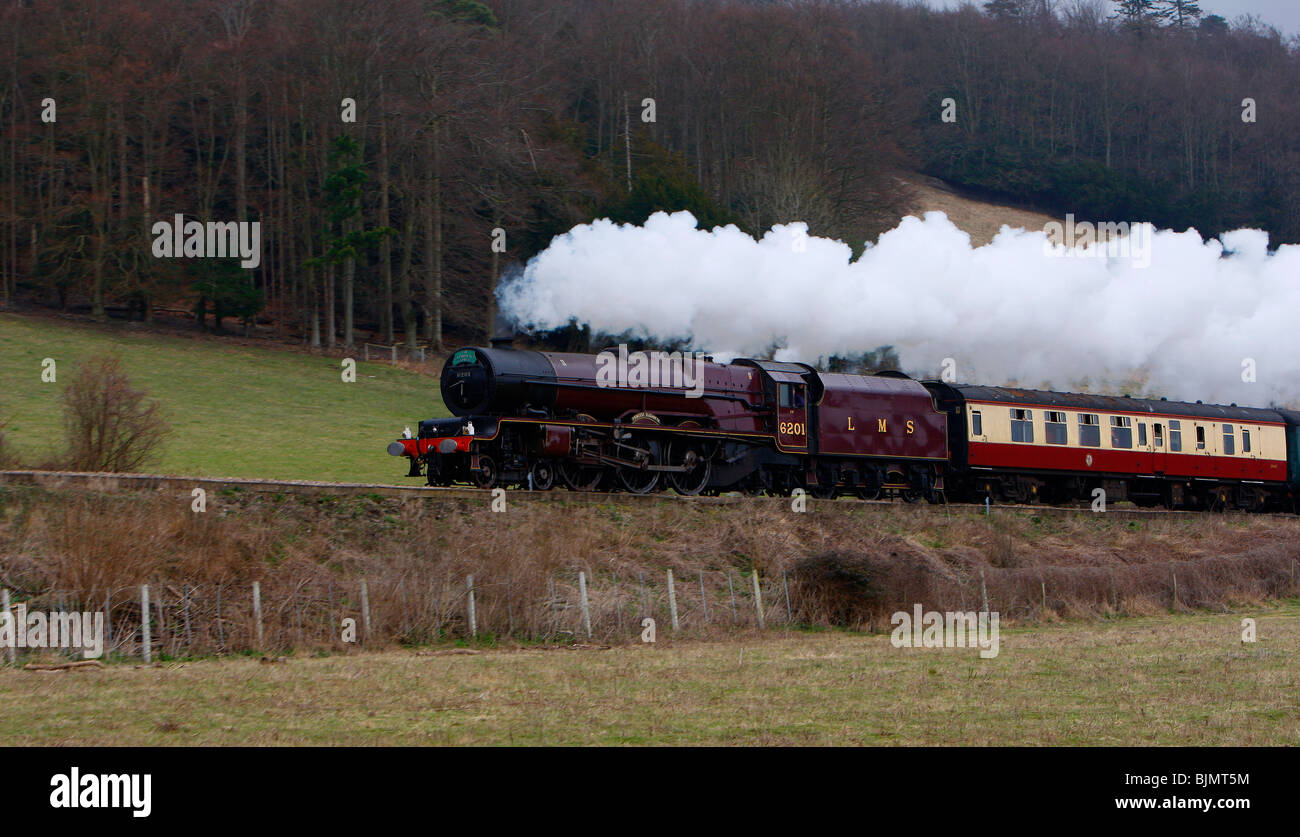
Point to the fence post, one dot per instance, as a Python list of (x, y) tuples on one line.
[(145, 642), (758, 601), (394, 355), (473, 617), (704, 600), (618, 606), (785, 581), (672, 599), (735, 617), (365, 610), (582, 596), (1043, 584), (108, 619), (1175, 575), (221, 630), (645, 603), (984, 591), (11, 651), (257, 612), (189, 637), (510, 608), (555, 609)]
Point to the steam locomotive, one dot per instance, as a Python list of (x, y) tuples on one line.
[(535, 419)]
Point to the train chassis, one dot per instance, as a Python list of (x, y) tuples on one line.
[(641, 456), (1148, 492)]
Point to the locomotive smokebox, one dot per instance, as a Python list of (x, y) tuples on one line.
[(497, 380)]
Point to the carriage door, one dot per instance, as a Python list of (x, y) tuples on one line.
[(792, 414), (1158, 449)]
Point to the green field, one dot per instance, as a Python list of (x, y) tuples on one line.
[(1167, 680), (235, 411)]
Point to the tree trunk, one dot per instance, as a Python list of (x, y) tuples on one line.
[(386, 245), (404, 302), (433, 240)]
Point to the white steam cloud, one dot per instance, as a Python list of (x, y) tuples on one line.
[(1190, 318)]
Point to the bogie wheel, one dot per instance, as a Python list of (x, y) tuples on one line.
[(699, 467), (486, 475), (543, 475), (865, 493), (910, 495)]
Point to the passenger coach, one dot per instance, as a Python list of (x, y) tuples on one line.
[(1024, 445)]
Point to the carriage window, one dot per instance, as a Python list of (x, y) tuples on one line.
[(1022, 425), (1229, 440), (1158, 433), (976, 423), (1121, 432), (1055, 430), (1089, 430), (1200, 437), (1175, 435), (1142, 434), (1245, 440)]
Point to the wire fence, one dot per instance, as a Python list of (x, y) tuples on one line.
[(323, 612)]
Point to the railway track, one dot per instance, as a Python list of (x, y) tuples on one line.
[(108, 483)]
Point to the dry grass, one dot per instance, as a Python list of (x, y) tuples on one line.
[(1170, 680), (844, 564), (980, 219)]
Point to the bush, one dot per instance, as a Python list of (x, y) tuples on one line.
[(111, 426)]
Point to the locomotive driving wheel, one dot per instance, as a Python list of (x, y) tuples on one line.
[(699, 466), (633, 478), (637, 481), (579, 477)]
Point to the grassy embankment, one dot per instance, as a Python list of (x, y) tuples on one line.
[(236, 411)]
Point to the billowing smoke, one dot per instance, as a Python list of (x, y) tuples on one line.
[(1176, 316)]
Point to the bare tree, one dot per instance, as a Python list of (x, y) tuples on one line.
[(111, 426)]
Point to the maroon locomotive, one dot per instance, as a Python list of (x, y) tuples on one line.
[(532, 418)]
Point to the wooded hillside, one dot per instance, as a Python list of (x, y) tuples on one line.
[(528, 116)]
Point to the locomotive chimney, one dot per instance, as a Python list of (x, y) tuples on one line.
[(503, 332)]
